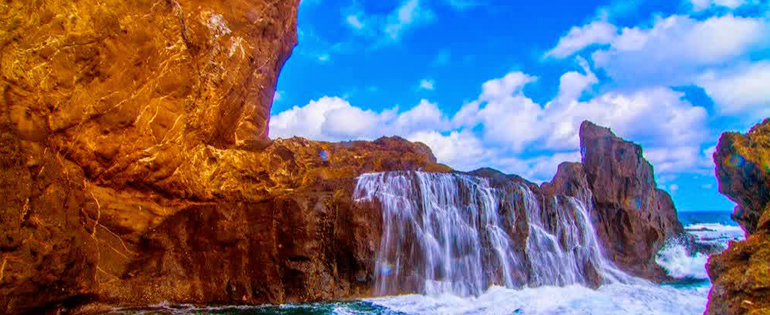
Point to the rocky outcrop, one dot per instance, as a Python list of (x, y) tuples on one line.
[(633, 217), (137, 168), (741, 274)]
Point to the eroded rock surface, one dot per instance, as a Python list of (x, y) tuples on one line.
[(741, 274), (137, 168), (633, 217)]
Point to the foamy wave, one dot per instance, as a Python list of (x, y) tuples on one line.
[(715, 233), (680, 263), (608, 299), (717, 227)]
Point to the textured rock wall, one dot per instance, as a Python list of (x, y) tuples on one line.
[(136, 166), (633, 218), (741, 274)]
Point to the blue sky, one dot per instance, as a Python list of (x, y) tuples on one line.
[(506, 83)]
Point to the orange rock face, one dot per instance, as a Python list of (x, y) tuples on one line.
[(741, 274), (136, 166)]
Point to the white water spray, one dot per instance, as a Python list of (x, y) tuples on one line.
[(453, 233)]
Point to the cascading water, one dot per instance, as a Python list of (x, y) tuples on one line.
[(453, 233)]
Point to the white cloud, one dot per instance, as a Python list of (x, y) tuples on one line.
[(460, 149), (335, 119), (670, 127), (323, 58), (578, 38), (277, 96), (676, 48), (511, 83), (700, 5), (410, 13), (742, 90), (307, 121), (538, 169), (572, 84), (426, 84), (354, 21), (503, 122), (387, 28)]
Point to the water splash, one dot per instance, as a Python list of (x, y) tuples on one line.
[(453, 233)]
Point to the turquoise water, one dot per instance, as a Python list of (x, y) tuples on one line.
[(688, 295)]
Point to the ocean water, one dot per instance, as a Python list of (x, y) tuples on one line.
[(688, 295)]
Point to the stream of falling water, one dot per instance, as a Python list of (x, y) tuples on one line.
[(462, 246), (453, 233)]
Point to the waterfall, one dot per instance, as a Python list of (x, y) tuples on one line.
[(454, 233)]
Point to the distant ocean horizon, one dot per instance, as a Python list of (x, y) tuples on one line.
[(699, 217)]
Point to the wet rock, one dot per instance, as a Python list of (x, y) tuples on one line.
[(136, 165), (137, 168), (633, 217), (741, 274)]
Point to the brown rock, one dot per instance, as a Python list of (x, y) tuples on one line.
[(741, 274), (136, 166), (633, 218)]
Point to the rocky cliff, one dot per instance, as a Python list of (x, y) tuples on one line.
[(137, 168), (741, 274), (633, 218)]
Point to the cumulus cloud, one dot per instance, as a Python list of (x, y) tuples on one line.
[(578, 38), (676, 48), (503, 122), (539, 168), (658, 117), (335, 119), (460, 149), (744, 89)]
